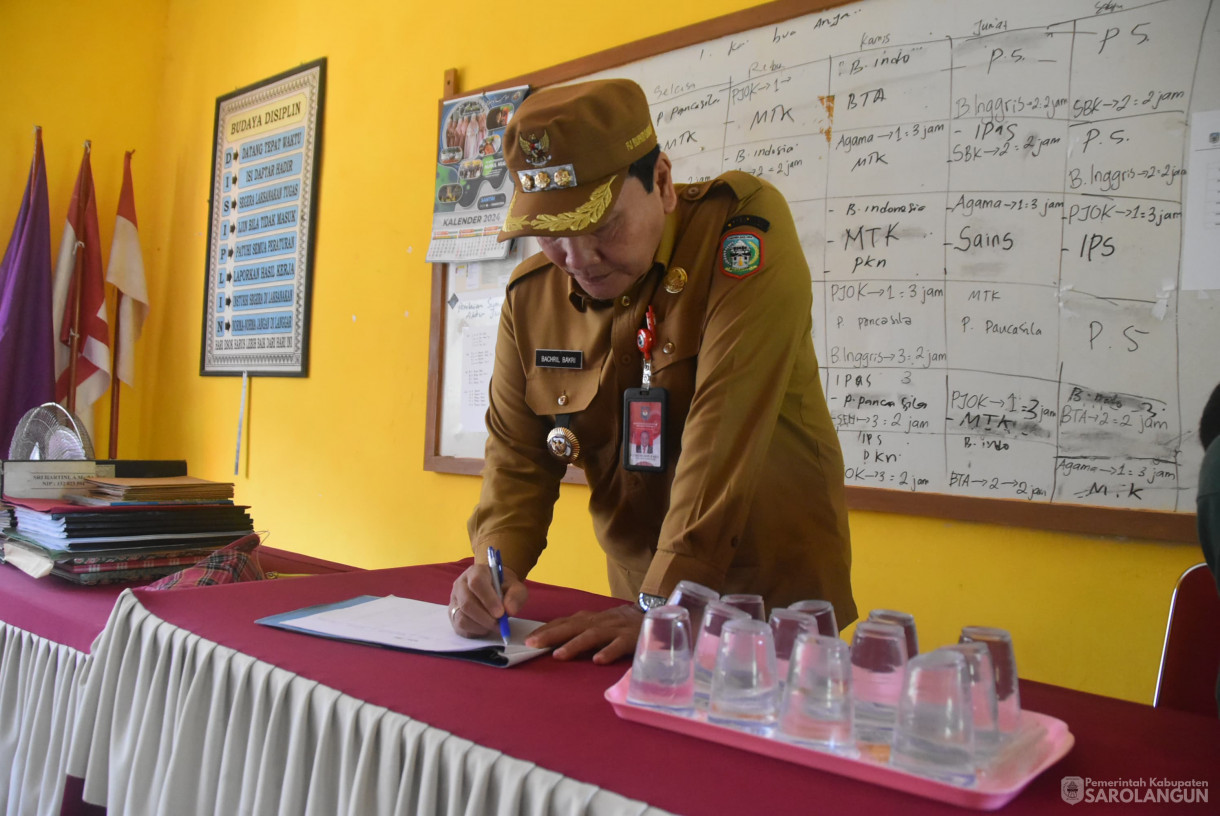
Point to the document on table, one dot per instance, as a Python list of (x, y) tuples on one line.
[(407, 624)]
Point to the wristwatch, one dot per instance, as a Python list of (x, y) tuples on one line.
[(646, 601)]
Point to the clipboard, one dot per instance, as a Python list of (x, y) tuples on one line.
[(407, 625)]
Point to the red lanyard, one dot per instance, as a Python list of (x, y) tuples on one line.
[(644, 339)]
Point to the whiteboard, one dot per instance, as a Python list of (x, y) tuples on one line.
[(991, 200)]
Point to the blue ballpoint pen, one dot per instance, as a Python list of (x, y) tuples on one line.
[(497, 577)]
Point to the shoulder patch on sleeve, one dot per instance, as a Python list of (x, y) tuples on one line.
[(741, 252), (759, 223)]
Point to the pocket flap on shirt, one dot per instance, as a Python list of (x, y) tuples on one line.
[(551, 391), (681, 338)]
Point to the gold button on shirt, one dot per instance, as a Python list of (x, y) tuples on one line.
[(752, 500)]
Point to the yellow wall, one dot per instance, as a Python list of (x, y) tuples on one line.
[(331, 464)]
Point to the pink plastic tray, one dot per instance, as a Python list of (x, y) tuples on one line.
[(992, 790)]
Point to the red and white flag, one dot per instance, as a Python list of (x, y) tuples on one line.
[(126, 273), (81, 246)]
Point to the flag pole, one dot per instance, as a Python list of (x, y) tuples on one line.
[(77, 275), (126, 275), (114, 376)]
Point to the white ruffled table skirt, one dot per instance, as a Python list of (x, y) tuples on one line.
[(170, 723), (39, 686)]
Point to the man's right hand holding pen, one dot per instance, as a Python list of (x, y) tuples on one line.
[(475, 607), (475, 610)]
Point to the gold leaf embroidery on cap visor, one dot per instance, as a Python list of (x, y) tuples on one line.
[(638, 139), (588, 213)]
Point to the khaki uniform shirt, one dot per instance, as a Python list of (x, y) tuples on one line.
[(752, 499)]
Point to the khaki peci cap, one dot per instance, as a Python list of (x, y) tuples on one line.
[(568, 150)]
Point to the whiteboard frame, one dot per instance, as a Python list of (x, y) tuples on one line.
[(1054, 516)]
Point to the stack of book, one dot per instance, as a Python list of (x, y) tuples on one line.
[(124, 529), (169, 490), (52, 478)]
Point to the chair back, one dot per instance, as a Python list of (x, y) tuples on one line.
[(1190, 659)]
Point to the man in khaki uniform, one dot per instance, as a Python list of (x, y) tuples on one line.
[(711, 281)]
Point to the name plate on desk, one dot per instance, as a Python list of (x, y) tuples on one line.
[(51, 479)]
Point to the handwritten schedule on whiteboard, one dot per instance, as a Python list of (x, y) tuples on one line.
[(990, 197)]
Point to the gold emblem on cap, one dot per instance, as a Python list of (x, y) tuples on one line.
[(563, 444), (548, 178), (536, 147), (675, 280)]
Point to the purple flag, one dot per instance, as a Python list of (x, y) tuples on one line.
[(27, 350)]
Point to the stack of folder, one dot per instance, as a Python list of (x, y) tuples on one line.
[(124, 529), (172, 489)]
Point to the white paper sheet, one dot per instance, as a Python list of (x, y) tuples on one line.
[(405, 623), (478, 360)]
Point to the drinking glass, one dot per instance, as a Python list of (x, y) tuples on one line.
[(983, 704), (1004, 662), (752, 604), (823, 612), (662, 673), (903, 619), (878, 660), (934, 729), (816, 708), (694, 597), (786, 624), (745, 685), (715, 615)]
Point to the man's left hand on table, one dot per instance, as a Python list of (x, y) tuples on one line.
[(612, 632)]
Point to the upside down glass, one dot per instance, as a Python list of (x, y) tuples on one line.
[(817, 707), (983, 703), (823, 612), (694, 597), (715, 615), (745, 685), (1004, 662), (786, 624), (878, 660), (662, 673), (904, 619), (934, 728), (752, 604)]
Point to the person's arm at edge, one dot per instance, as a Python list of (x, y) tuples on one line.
[(752, 329), (516, 503)]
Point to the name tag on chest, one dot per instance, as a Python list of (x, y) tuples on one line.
[(559, 358)]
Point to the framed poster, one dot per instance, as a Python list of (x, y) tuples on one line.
[(266, 158)]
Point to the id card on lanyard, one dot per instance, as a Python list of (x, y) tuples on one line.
[(644, 411)]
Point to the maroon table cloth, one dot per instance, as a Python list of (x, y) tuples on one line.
[(554, 714), (73, 614)]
